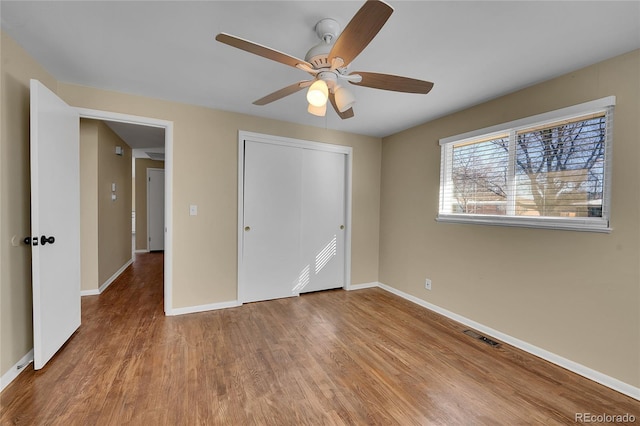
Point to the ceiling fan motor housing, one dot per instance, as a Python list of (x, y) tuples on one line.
[(318, 56)]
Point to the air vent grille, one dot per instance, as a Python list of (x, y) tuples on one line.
[(482, 338)]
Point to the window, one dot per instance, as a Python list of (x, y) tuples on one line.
[(551, 170)]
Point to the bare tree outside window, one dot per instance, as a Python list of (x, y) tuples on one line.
[(560, 169), (559, 172), (479, 177)]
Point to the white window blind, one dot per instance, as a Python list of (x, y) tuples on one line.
[(551, 170)]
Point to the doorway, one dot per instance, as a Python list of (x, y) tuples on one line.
[(167, 126), (155, 209)]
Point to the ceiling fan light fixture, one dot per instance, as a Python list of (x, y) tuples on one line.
[(318, 93), (344, 99), (320, 111)]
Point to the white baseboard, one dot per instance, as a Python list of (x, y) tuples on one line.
[(15, 370), (596, 376), (142, 251), (108, 282), (361, 286), (203, 308)]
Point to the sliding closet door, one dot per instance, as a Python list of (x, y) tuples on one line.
[(272, 217), (323, 219), (293, 219)]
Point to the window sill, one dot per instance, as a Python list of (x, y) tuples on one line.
[(584, 224)]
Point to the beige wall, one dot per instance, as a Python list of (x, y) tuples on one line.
[(142, 164), (105, 224), (205, 173), (576, 294), (89, 205), (114, 217), (16, 337)]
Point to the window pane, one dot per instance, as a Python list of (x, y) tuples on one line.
[(479, 177), (560, 169)]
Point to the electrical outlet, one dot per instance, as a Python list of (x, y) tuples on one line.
[(427, 284)]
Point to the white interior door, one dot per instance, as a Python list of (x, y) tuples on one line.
[(323, 219), (271, 236), (55, 222), (155, 209)]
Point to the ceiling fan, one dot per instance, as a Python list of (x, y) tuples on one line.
[(328, 62)]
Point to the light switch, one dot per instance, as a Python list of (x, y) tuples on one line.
[(193, 210), (113, 187), (113, 197)]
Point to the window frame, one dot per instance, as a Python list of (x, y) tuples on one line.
[(593, 224)]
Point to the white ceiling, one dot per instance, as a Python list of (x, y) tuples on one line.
[(472, 51), (143, 138)]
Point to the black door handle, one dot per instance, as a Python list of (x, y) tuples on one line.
[(44, 240)]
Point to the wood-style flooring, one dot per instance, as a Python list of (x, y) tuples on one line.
[(364, 357)]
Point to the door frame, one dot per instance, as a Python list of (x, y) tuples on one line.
[(168, 186), (294, 143), (148, 203)]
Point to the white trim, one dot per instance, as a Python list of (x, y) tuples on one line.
[(362, 286), (15, 370), (551, 116), (596, 376), (239, 290), (347, 204), (296, 143), (142, 251), (204, 308), (573, 224), (168, 185), (108, 282)]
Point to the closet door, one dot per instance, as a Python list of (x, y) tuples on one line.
[(272, 221), (323, 219)]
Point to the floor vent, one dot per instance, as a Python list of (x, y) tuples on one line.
[(482, 338)]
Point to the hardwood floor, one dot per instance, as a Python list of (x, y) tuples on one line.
[(335, 357)]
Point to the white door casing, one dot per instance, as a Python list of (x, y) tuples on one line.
[(55, 212), (95, 114), (155, 209), (319, 259)]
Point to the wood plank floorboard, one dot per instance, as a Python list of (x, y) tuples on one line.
[(364, 357)]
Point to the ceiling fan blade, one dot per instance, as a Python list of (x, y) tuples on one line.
[(260, 50), (344, 115), (359, 32), (392, 82), (286, 91)]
